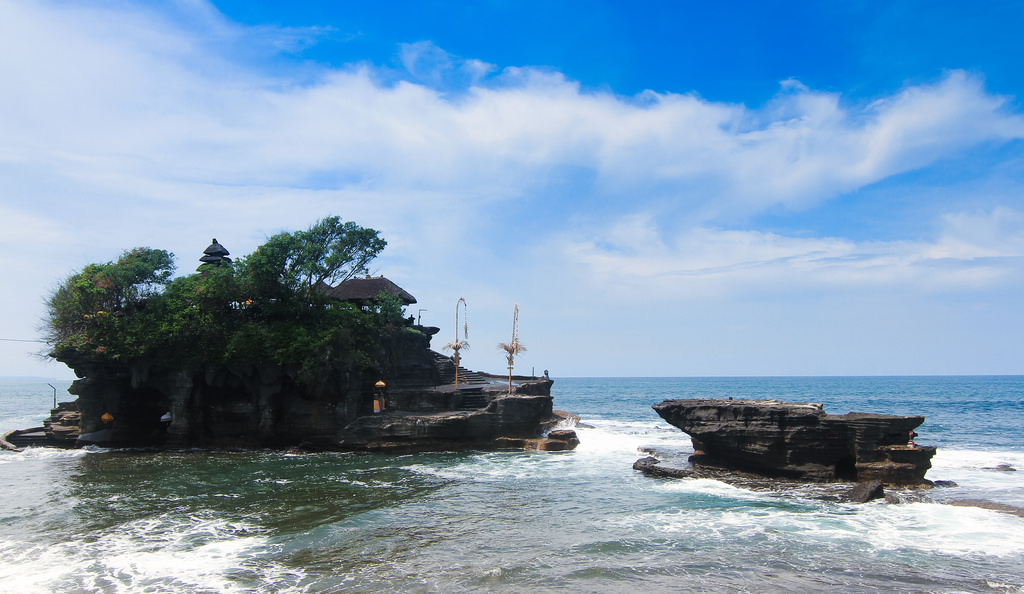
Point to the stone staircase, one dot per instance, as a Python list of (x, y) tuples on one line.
[(445, 368), (60, 430), (446, 372), (62, 426), (470, 378), (472, 399)]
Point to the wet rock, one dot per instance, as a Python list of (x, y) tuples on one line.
[(866, 491), (62, 426), (560, 418), (542, 444), (800, 441), (563, 435), (1001, 468), (150, 403), (508, 421), (992, 505), (944, 484), (559, 440), (651, 466)]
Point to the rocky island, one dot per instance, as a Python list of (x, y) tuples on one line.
[(289, 347), (798, 441)]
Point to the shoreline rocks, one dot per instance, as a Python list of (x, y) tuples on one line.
[(411, 403), (800, 441)]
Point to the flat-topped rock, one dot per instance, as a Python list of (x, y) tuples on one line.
[(799, 440), (505, 417)]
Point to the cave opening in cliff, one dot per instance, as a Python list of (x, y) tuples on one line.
[(846, 469)]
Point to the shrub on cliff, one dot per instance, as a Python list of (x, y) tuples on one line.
[(99, 290), (263, 309)]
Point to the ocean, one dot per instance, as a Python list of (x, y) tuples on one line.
[(583, 521)]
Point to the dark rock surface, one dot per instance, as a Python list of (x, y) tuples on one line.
[(800, 441), (866, 491), (144, 403), (62, 426), (838, 492), (505, 417), (559, 440), (651, 466), (556, 441)]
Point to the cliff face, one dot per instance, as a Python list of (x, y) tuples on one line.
[(148, 405), (145, 403), (800, 441)]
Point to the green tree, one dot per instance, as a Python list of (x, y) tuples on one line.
[(292, 264), (262, 309), (101, 290)]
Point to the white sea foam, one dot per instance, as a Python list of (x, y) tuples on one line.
[(976, 476), (164, 553), (605, 447), (40, 453), (705, 486), (608, 437), (882, 528), (955, 459), (943, 528)]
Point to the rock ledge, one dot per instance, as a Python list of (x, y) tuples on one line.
[(800, 441)]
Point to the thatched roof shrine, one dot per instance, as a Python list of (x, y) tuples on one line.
[(214, 255), (366, 289)]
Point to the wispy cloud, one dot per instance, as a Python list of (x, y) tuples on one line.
[(139, 105), (973, 251), (119, 117)]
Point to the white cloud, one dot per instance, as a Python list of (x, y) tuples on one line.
[(131, 126), (974, 251), (437, 68), (146, 102)]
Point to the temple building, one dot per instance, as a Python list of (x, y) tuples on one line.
[(214, 255), (362, 291)]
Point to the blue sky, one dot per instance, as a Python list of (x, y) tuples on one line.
[(753, 188)]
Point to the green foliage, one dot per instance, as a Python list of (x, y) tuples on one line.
[(329, 252), (258, 311), (388, 308), (99, 290)]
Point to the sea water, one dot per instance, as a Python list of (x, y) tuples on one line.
[(582, 521)]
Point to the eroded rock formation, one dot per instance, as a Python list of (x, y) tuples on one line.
[(144, 403), (800, 441)]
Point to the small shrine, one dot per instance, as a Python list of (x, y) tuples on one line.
[(215, 255), (364, 291)]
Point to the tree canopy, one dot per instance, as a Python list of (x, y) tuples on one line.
[(330, 252), (261, 309), (101, 289)]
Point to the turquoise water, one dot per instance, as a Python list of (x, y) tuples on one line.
[(582, 521)]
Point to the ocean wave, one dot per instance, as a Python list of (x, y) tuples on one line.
[(729, 520), (43, 453), (193, 554)]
